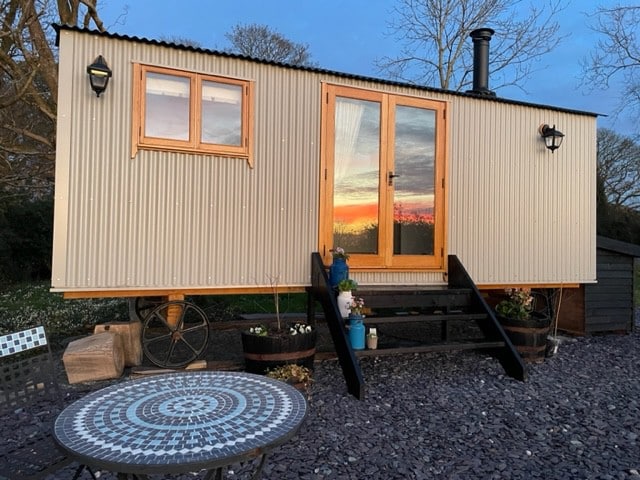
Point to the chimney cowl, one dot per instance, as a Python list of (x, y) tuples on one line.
[(481, 38)]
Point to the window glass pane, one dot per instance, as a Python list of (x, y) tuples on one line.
[(413, 202), (357, 163), (166, 106), (221, 113)]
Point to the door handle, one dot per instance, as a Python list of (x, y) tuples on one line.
[(390, 177)]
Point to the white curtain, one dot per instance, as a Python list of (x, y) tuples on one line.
[(348, 120)]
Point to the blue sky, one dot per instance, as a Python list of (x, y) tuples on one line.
[(349, 35)]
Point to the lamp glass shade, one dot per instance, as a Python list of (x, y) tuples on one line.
[(99, 74), (552, 137)]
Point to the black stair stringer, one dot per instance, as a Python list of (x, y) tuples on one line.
[(321, 292), (507, 355)]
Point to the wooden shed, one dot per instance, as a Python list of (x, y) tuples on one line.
[(606, 306)]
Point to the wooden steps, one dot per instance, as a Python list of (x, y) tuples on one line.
[(408, 309), (421, 319)]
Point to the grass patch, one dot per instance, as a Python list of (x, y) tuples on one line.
[(256, 303)]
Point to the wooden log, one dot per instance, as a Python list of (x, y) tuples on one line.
[(96, 357), (131, 333)]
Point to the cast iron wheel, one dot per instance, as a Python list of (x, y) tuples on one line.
[(175, 346), (139, 307)]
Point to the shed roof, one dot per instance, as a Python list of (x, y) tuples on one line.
[(162, 43), (624, 248)]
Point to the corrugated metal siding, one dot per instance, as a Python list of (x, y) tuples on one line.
[(519, 214), (178, 220), (516, 213)]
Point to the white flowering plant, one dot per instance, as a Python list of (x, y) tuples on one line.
[(339, 252), (28, 304), (259, 330), (300, 328), (295, 329)]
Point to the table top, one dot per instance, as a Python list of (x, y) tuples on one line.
[(180, 422)]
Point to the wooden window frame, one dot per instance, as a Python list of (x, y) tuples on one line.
[(194, 145), (384, 260)]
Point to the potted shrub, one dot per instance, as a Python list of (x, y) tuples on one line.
[(297, 375), (346, 287), (267, 348), (526, 328)]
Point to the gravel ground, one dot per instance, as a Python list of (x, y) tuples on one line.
[(456, 416)]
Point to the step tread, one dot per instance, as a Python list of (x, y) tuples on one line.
[(401, 317), (437, 347), (410, 289), (415, 299)]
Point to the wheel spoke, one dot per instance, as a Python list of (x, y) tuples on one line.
[(159, 338), (178, 345), (193, 329), (140, 307), (159, 316), (193, 349), (167, 358)]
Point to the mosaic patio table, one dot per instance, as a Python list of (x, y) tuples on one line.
[(180, 422)]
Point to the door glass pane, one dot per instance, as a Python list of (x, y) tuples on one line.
[(357, 160), (413, 201), (221, 113), (166, 106)]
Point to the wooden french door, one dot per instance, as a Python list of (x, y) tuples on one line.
[(384, 178)]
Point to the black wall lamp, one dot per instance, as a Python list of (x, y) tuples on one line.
[(99, 74), (552, 137)]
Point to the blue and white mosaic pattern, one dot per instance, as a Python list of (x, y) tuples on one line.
[(191, 418), (20, 341)]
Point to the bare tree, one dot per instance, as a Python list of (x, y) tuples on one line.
[(436, 49), (619, 169), (617, 55), (29, 87), (259, 41), (184, 41)]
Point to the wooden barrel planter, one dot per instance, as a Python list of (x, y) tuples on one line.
[(529, 336), (265, 352)]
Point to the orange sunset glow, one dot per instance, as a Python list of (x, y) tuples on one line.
[(355, 218)]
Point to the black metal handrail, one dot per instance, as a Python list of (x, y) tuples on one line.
[(323, 293), (508, 356)]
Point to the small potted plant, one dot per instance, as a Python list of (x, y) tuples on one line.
[(356, 327), (356, 308), (339, 270), (372, 339), (518, 304), (346, 286), (297, 375)]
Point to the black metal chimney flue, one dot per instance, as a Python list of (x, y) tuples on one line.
[(481, 38)]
